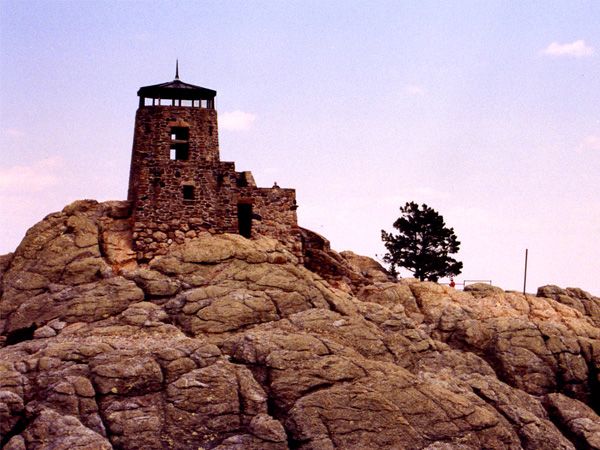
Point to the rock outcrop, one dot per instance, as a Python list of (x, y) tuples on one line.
[(230, 343)]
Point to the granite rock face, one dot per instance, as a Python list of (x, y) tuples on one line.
[(230, 343)]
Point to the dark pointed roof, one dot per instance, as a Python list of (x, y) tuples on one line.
[(177, 89)]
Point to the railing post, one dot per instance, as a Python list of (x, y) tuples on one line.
[(525, 275)]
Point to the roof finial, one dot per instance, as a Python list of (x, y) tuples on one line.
[(177, 69)]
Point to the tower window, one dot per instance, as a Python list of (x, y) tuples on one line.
[(188, 192), (179, 152), (180, 146), (180, 133)]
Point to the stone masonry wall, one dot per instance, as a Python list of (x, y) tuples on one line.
[(275, 215), (161, 214), (155, 184)]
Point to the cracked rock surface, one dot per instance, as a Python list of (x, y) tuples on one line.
[(228, 343)]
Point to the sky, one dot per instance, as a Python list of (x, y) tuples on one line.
[(487, 111)]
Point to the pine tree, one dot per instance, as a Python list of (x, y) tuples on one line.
[(422, 244)]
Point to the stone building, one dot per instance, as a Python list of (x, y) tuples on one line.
[(178, 186)]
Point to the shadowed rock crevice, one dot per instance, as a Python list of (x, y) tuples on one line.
[(576, 421), (593, 365), (19, 426), (20, 335), (102, 415)]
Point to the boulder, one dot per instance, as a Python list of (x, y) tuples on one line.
[(578, 299), (577, 420), (228, 343)]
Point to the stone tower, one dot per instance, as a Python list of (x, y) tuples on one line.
[(178, 186)]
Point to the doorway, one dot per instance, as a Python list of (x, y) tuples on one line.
[(244, 213)]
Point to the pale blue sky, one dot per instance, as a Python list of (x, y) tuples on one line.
[(487, 111)]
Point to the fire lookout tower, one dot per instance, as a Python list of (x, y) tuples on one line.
[(178, 186)]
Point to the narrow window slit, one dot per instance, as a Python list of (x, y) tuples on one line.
[(188, 192)]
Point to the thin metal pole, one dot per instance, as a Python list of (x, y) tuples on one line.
[(525, 277)]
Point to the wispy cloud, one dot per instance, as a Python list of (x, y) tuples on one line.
[(35, 177), (12, 132), (236, 120), (414, 90), (590, 143), (576, 49)]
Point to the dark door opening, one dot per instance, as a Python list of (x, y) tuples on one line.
[(245, 219)]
